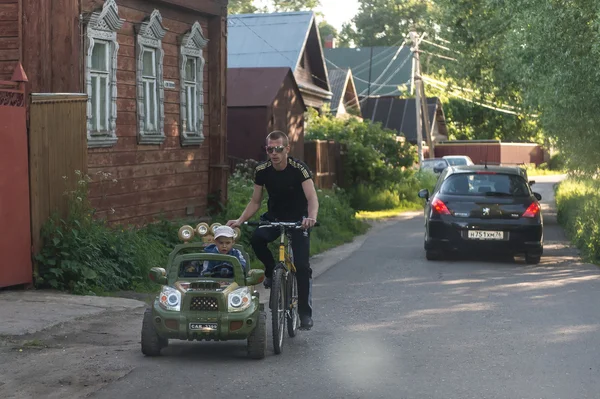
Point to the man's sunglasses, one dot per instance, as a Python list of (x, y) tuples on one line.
[(278, 149)]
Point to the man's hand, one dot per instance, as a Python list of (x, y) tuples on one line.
[(307, 223), (234, 223)]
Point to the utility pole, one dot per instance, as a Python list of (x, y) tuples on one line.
[(369, 86), (420, 100)]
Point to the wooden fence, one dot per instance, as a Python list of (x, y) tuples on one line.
[(324, 158), (57, 148)]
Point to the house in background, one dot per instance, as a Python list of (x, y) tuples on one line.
[(260, 100), (289, 39), (400, 114), (153, 73), (345, 100), (387, 68)]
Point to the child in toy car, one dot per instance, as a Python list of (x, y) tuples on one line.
[(223, 244)]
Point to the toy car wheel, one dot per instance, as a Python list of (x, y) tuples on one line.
[(532, 259), (257, 341), (151, 342)]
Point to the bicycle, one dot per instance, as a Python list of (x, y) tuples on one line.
[(283, 299)]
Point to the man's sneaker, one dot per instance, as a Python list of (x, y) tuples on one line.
[(267, 282), (306, 322)]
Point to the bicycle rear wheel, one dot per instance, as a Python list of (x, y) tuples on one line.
[(278, 308), (293, 318)]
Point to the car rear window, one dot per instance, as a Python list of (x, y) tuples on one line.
[(457, 161), (485, 184)]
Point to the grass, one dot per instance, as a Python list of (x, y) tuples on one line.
[(578, 202), (544, 172), (387, 213)]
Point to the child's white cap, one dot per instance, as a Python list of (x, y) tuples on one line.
[(224, 231)]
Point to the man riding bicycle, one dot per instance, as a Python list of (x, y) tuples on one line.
[(292, 198)]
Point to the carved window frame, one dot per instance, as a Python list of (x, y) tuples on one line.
[(191, 48), (102, 26), (149, 36)]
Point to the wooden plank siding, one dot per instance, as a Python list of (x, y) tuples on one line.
[(151, 180), (10, 51)]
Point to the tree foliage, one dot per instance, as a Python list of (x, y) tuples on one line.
[(242, 7), (544, 52), (386, 22), (295, 5)]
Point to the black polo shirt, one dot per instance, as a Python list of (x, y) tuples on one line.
[(287, 202)]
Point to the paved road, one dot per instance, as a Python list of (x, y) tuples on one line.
[(388, 324)]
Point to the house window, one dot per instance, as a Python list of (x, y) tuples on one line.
[(192, 86), (150, 86), (101, 74)]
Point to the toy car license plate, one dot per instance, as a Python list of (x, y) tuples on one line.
[(203, 326), (485, 235)]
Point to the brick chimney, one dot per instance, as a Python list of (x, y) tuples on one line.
[(330, 41)]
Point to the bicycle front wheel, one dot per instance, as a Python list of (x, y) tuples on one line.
[(293, 318), (278, 308)]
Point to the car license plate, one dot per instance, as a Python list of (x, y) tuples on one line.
[(485, 235), (203, 326)]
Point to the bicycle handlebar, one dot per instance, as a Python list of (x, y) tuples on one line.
[(296, 225)]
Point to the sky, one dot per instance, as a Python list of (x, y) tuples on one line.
[(335, 12)]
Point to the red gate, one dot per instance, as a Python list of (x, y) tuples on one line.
[(15, 228)]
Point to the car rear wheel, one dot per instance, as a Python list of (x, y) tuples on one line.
[(532, 259), (431, 254)]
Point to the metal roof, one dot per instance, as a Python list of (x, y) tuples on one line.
[(337, 82), (387, 72), (399, 114), (267, 40), (257, 87)]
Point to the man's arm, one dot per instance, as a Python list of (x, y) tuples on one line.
[(313, 203), (252, 207)]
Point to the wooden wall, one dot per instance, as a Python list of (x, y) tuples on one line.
[(52, 46), (151, 180), (288, 116), (10, 31)]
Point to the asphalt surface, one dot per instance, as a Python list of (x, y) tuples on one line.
[(388, 324)]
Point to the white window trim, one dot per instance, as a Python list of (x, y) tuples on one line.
[(103, 26), (192, 45), (149, 35)]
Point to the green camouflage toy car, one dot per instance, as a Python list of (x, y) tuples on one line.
[(207, 307)]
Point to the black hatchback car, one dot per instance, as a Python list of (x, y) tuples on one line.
[(488, 208)]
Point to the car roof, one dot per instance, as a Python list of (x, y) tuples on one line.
[(434, 159), (456, 156), (511, 170)]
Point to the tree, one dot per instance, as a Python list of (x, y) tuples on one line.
[(326, 30), (241, 7), (295, 5), (386, 22)]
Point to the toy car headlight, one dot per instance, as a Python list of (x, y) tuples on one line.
[(170, 299), (186, 233), (202, 229), (239, 300)]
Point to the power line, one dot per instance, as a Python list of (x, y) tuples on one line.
[(388, 67)]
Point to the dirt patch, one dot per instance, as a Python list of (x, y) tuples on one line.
[(72, 360)]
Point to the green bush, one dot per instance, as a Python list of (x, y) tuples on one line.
[(84, 255), (578, 202), (374, 155), (557, 162)]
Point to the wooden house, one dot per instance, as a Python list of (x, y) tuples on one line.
[(261, 100), (153, 76), (289, 39)]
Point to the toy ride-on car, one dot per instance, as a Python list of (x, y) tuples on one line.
[(194, 304)]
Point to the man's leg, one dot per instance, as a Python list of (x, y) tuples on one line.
[(301, 248), (260, 239)]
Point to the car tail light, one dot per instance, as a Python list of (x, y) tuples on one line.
[(439, 207), (532, 211)]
